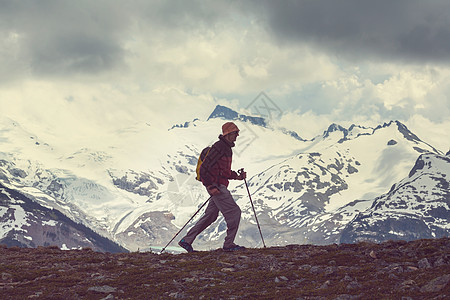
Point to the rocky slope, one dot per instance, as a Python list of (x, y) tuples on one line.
[(390, 270), (416, 207), (26, 223)]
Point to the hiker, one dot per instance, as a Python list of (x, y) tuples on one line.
[(215, 174)]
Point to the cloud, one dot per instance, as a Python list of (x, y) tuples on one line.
[(63, 38), (405, 30), (120, 61), (77, 110), (186, 16), (74, 53), (306, 124), (227, 62), (378, 94), (211, 46), (430, 131), (66, 38)]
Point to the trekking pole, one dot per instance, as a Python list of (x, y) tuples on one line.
[(184, 225), (254, 211)]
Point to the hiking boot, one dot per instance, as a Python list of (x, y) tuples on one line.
[(234, 248), (186, 246)]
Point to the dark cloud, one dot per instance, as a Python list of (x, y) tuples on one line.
[(78, 53), (410, 30), (65, 37), (185, 15)]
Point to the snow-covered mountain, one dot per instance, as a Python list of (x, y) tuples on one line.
[(137, 187), (310, 197), (25, 223), (416, 207)]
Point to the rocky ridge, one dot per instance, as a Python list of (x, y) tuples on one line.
[(391, 270)]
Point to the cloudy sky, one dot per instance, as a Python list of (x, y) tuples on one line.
[(106, 64)]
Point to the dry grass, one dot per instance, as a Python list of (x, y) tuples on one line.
[(390, 270)]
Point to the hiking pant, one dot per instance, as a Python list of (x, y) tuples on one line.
[(224, 203)]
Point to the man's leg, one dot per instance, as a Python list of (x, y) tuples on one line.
[(231, 212), (207, 219)]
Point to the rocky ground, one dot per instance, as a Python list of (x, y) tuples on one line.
[(390, 270)]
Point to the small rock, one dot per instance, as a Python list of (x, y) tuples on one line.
[(409, 282), (284, 278), (373, 255), (440, 262), (325, 285), (395, 268), (408, 285), (177, 295), (6, 277), (424, 264), (228, 269), (343, 268), (392, 143), (35, 295), (436, 284), (392, 276), (411, 268), (347, 297), (304, 267), (315, 270), (347, 278), (97, 276), (225, 264), (330, 270), (353, 285), (102, 289)]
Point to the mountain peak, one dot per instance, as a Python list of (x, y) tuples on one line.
[(334, 127), (408, 135), (225, 113), (185, 124), (406, 132)]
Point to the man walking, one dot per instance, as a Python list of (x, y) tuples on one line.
[(215, 174)]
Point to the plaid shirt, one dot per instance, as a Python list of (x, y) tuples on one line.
[(216, 169)]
